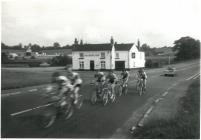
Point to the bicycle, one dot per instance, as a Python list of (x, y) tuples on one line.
[(96, 95), (107, 94), (59, 107), (122, 88), (140, 87)]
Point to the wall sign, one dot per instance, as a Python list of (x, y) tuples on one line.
[(91, 55)]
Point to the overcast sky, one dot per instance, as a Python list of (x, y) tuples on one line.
[(155, 22)]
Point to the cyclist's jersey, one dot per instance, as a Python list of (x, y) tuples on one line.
[(111, 77), (125, 75), (74, 78), (142, 75), (100, 77)]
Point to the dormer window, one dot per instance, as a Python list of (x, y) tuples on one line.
[(102, 55)]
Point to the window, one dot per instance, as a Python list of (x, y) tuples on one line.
[(81, 55), (117, 55), (102, 55), (133, 55), (81, 65), (102, 64)]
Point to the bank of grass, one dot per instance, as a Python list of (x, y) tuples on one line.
[(11, 79), (186, 124), (18, 79)]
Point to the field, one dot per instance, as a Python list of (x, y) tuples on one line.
[(184, 126), (23, 77)]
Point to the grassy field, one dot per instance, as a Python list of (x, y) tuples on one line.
[(23, 77), (184, 126)]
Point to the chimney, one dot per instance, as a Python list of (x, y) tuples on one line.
[(112, 41)]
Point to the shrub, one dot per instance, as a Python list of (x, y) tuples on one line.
[(61, 61)]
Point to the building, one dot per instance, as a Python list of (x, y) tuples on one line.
[(107, 56)]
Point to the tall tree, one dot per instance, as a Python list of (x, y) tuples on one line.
[(56, 45), (187, 48)]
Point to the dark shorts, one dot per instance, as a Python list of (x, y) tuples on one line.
[(78, 85)]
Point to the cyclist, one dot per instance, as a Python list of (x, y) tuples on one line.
[(100, 79), (61, 85), (142, 75), (124, 77), (76, 81), (112, 79)]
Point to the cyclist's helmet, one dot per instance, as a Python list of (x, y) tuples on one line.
[(62, 80), (141, 70), (54, 76)]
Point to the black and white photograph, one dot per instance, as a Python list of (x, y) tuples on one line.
[(100, 69)]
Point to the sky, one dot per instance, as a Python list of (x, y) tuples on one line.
[(157, 23)]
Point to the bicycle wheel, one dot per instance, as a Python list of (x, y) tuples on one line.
[(80, 102), (113, 98), (140, 90), (120, 90), (93, 98), (125, 90), (47, 118), (105, 97), (68, 111)]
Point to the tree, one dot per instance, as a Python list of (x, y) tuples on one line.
[(4, 57), (61, 60), (187, 48), (56, 45), (75, 41), (35, 48)]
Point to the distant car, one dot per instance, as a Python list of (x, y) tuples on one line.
[(44, 64), (170, 71)]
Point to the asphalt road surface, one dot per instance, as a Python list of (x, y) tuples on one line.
[(91, 121)]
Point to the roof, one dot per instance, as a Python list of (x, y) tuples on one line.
[(123, 47), (13, 50), (102, 47), (60, 51)]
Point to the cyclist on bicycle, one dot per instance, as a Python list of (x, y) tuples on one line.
[(100, 79), (61, 85), (112, 79), (142, 75), (124, 77), (76, 81)]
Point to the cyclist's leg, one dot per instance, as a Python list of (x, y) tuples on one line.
[(145, 84), (76, 94)]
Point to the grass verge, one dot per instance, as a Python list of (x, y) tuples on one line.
[(184, 126)]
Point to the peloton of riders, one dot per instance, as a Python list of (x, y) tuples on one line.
[(72, 81)]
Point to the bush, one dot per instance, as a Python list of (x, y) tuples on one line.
[(148, 63), (61, 61)]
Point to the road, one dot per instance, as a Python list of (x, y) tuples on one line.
[(91, 121)]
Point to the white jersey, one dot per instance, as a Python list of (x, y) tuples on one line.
[(74, 78)]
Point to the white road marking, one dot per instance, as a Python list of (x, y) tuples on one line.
[(9, 94), (27, 110), (191, 77), (165, 93), (196, 76), (157, 100), (32, 90)]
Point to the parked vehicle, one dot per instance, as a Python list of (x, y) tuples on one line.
[(170, 71)]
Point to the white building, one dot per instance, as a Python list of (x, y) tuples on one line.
[(107, 56)]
